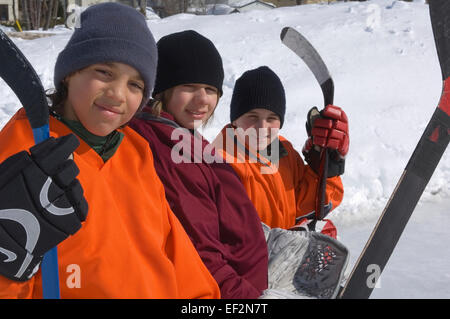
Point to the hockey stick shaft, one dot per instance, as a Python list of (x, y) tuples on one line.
[(415, 177), (304, 49), (20, 76)]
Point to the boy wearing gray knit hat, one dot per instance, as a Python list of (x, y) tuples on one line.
[(110, 32), (112, 40), (104, 189)]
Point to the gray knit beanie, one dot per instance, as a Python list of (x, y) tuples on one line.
[(110, 32)]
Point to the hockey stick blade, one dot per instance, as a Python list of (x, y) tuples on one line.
[(20, 76), (23, 80), (415, 177), (303, 48)]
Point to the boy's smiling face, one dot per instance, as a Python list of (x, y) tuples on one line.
[(103, 96), (192, 103), (261, 122)]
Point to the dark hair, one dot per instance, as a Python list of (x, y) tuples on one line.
[(57, 98)]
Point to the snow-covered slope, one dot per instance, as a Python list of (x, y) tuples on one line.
[(382, 57)]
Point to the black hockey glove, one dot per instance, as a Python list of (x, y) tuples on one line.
[(41, 204)]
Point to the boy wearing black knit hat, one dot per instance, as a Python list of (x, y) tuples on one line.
[(281, 186), (208, 198), (188, 63)]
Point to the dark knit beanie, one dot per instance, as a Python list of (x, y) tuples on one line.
[(187, 57), (258, 88), (110, 32)]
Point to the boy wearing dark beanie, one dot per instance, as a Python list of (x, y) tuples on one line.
[(208, 198), (258, 88), (281, 186), (187, 57)]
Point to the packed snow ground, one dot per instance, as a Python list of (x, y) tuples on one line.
[(382, 57)]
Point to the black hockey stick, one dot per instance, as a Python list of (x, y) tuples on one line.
[(20, 76), (415, 177)]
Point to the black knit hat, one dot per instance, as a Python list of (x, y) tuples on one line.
[(110, 32), (258, 88), (187, 57)]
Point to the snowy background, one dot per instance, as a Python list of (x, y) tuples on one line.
[(382, 57)]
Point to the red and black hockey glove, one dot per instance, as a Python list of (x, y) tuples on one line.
[(41, 204), (327, 129)]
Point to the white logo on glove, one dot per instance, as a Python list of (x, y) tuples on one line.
[(31, 226), (52, 209), (32, 229), (9, 254)]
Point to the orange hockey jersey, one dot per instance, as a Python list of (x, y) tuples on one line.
[(281, 193), (131, 244)]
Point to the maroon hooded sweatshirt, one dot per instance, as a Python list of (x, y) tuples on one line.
[(212, 205)]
